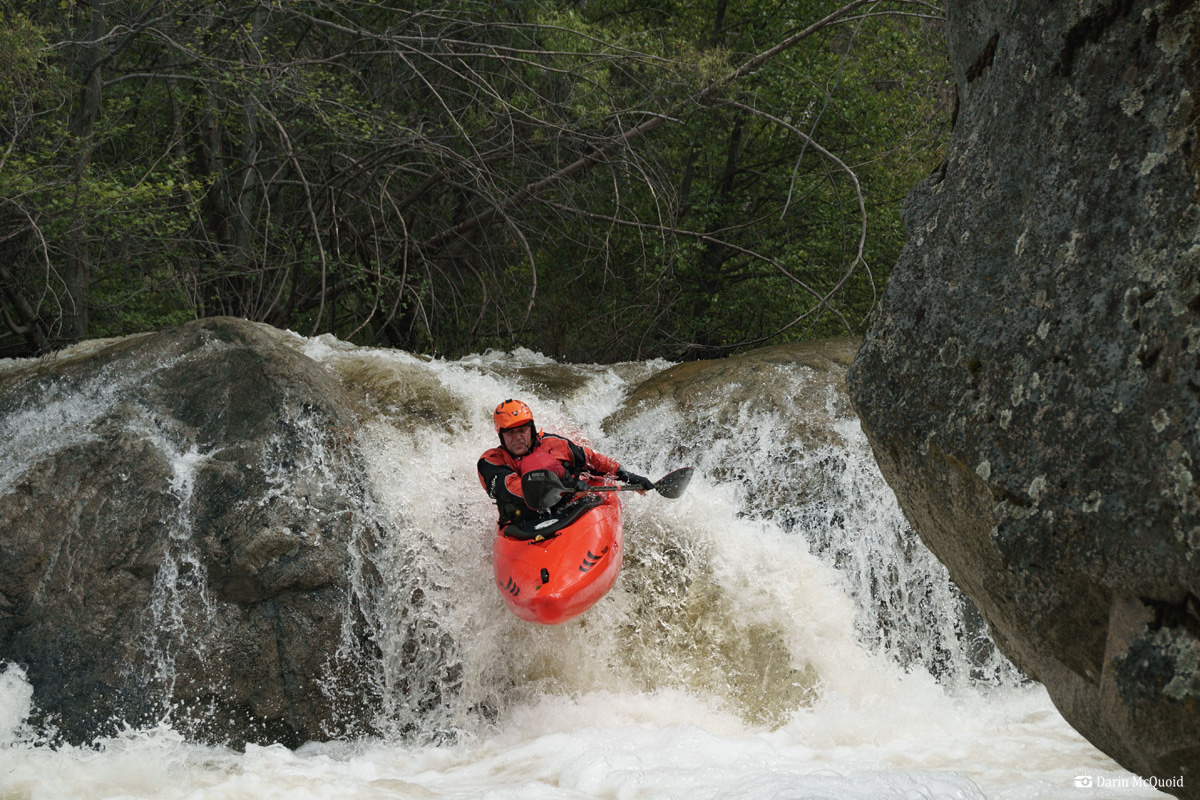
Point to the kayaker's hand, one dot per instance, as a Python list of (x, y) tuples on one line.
[(577, 484), (635, 480)]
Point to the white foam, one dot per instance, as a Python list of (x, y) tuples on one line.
[(728, 662), (16, 698)]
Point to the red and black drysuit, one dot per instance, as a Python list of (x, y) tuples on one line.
[(500, 471)]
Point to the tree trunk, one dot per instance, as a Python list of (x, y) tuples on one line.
[(247, 194), (77, 271)]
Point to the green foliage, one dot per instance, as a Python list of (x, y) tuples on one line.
[(773, 226), (22, 52), (366, 169)]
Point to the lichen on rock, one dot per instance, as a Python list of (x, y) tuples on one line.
[(1056, 249)]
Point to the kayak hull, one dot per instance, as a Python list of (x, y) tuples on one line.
[(554, 580)]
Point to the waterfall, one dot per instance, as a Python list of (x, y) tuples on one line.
[(784, 572)]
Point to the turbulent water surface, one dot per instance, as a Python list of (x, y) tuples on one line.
[(776, 633)]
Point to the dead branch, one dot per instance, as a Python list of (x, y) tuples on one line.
[(603, 152)]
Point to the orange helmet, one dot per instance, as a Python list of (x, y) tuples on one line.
[(512, 414)]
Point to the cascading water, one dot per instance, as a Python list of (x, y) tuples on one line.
[(778, 631), (180, 585)]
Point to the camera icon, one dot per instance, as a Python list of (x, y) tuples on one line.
[(1083, 781)]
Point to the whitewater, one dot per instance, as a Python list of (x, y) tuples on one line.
[(777, 632)]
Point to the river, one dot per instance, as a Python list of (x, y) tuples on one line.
[(778, 632)]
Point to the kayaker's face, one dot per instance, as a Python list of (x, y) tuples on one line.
[(518, 440)]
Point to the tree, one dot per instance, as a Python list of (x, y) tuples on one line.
[(597, 180)]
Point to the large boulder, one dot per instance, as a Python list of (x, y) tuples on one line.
[(720, 410), (178, 523), (1032, 387), (719, 396)]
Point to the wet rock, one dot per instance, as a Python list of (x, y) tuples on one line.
[(177, 512), (1032, 387), (734, 406), (725, 392)]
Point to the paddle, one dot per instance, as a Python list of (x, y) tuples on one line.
[(670, 486), (542, 488)]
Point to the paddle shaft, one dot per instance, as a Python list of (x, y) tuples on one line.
[(670, 485), (543, 489), (615, 489)]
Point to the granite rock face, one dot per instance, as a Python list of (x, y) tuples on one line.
[(1032, 387), (177, 515)]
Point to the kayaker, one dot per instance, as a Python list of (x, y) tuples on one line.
[(523, 448)]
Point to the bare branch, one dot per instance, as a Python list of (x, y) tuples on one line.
[(312, 215), (603, 152)]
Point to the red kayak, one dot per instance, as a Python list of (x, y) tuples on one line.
[(552, 569)]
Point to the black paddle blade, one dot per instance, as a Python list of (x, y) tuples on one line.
[(542, 488), (673, 484)]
